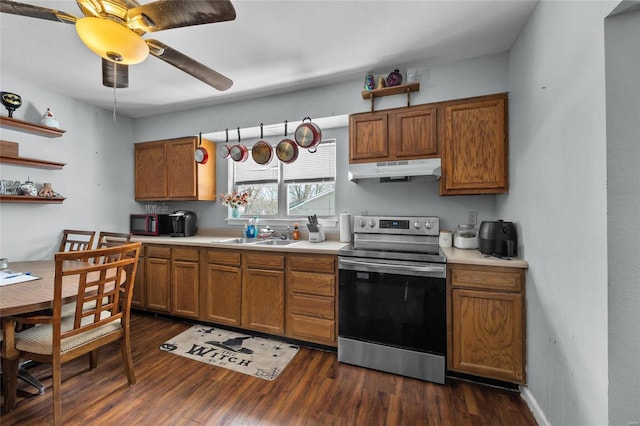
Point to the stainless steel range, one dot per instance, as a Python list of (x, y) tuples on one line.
[(392, 302)]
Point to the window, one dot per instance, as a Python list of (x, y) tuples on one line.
[(298, 189)]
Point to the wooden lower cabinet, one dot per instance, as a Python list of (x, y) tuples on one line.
[(263, 292), (486, 319), (185, 282), (157, 278), (311, 298), (221, 292), (292, 295), (138, 297)]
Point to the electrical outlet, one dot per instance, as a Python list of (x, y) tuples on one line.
[(472, 218)]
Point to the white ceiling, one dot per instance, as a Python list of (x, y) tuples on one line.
[(271, 47)]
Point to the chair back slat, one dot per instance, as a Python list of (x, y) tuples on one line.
[(104, 289), (112, 239), (76, 240)]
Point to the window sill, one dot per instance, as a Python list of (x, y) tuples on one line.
[(275, 223)]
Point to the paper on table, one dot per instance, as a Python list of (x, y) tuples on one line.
[(9, 277)]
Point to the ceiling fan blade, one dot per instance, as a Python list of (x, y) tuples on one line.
[(31, 11), (165, 14), (188, 65)]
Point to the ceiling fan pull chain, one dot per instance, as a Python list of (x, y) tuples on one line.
[(115, 79)]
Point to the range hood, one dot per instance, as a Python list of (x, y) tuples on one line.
[(389, 171)]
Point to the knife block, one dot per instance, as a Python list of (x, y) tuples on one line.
[(317, 237)]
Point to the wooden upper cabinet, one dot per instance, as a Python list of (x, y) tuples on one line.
[(151, 170), (167, 170), (397, 134), (475, 158), (368, 137), (412, 133)]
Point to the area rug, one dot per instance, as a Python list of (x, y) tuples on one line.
[(256, 356)]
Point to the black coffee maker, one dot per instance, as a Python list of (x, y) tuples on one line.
[(184, 223)]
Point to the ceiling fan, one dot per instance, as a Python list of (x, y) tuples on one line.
[(113, 29)]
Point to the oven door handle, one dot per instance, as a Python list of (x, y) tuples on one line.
[(390, 267)]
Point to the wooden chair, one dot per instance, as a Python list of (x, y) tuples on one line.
[(73, 240), (112, 239), (56, 339)]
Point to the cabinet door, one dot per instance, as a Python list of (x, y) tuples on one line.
[(368, 137), (181, 169), (475, 144), (223, 294), (150, 171), (157, 277), (487, 334), (412, 133), (263, 300), (137, 299), (184, 285)]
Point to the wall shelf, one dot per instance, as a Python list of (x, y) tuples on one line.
[(31, 162), (392, 90), (30, 200), (25, 126)]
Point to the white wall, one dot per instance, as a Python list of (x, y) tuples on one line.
[(97, 179), (472, 77), (622, 42), (558, 196)]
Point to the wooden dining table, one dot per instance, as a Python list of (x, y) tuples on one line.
[(32, 296)]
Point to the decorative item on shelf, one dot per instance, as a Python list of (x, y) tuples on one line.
[(381, 83), (394, 78), (9, 187), (46, 191), (235, 200), (11, 102), (412, 75), (49, 120), (369, 82), (28, 188)]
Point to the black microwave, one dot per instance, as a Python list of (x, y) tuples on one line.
[(150, 224)]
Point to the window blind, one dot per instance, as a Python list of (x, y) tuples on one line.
[(319, 166)]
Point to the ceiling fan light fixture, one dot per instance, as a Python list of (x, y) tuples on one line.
[(111, 40)]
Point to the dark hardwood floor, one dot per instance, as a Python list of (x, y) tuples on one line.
[(314, 389)]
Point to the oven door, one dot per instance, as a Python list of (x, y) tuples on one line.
[(395, 303)]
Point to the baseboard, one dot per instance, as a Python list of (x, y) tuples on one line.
[(537, 412)]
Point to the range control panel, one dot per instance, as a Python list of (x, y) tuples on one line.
[(403, 225)]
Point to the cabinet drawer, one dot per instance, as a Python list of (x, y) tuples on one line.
[(313, 263), (314, 329), (311, 283), (322, 307), (264, 261), (223, 257), (185, 253), (163, 252), (503, 279)]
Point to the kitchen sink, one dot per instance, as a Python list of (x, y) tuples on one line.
[(240, 241), (276, 242)]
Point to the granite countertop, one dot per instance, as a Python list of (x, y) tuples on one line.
[(474, 257), (217, 238)]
